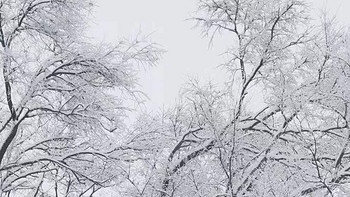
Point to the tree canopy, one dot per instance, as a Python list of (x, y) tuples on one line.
[(63, 101)]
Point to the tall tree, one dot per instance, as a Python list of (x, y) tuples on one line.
[(293, 141), (61, 99)]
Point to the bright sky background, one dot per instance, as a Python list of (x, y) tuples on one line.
[(188, 52)]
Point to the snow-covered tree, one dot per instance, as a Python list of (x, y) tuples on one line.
[(279, 127), (61, 99)]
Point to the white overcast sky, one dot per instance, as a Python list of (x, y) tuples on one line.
[(188, 53)]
